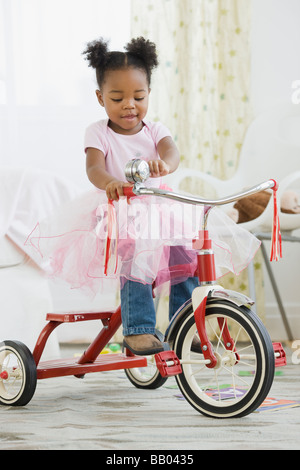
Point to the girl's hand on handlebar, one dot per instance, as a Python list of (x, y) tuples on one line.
[(158, 168), (114, 189)]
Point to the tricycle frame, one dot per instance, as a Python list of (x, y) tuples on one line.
[(91, 360)]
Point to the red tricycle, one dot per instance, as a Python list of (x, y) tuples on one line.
[(229, 377)]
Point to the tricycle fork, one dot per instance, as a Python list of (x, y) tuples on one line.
[(228, 340), (207, 277), (206, 346)]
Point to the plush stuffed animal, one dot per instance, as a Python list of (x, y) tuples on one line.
[(290, 202), (251, 207)]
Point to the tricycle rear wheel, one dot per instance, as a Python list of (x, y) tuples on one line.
[(18, 374), (146, 377)]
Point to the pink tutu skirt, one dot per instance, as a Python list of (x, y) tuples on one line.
[(88, 241)]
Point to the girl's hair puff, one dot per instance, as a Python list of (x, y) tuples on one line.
[(140, 53)]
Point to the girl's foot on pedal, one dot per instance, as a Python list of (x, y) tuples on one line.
[(144, 345)]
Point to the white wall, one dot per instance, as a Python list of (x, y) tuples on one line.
[(275, 51), (275, 67)]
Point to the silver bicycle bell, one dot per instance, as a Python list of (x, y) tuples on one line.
[(137, 171)]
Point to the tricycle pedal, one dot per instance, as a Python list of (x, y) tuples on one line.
[(168, 363), (280, 356)]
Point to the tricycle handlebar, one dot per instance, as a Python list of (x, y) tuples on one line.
[(139, 190)]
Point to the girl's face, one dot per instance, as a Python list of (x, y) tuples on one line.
[(125, 95)]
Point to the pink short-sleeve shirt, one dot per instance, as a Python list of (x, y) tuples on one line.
[(118, 149)]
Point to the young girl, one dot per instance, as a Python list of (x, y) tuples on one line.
[(148, 233), (124, 88)]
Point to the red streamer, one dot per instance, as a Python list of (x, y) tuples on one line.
[(276, 243), (111, 227)]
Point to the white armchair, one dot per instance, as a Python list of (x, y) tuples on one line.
[(271, 149)]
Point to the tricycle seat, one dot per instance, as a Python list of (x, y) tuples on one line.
[(70, 317)]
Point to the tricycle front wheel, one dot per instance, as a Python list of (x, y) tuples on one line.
[(244, 372)]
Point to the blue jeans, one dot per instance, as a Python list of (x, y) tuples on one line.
[(137, 306)]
